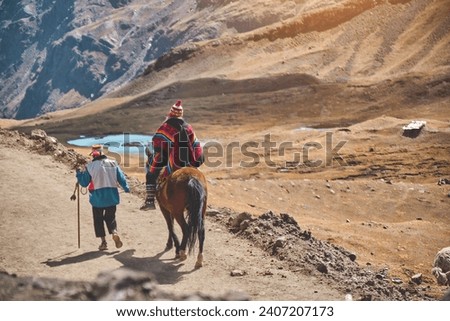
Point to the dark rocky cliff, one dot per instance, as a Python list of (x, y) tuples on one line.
[(61, 54)]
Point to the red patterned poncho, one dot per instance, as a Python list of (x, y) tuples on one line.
[(175, 146)]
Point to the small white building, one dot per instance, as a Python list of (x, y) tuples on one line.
[(413, 129)]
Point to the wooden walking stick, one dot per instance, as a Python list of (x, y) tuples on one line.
[(72, 198), (80, 161), (78, 212)]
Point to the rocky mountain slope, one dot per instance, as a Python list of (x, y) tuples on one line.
[(59, 55)]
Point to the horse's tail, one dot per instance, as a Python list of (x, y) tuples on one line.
[(195, 207)]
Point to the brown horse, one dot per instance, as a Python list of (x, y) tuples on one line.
[(185, 190)]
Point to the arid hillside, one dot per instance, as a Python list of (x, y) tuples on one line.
[(208, 48)]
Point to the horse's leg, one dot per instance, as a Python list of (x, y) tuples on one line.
[(201, 239), (169, 223), (177, 244), (172, 236), (185, 229)]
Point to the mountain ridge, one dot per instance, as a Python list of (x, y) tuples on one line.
[(334, 41)]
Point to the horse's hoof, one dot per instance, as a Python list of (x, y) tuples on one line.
[(199, 262), (182, 256)]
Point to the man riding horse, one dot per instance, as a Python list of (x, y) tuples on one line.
[(174, 146)]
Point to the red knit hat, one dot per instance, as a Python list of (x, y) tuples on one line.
[(176, 110), (96, 151)]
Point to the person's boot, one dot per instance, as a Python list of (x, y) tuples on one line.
[(116, 239), (149, 203), (103, 246)]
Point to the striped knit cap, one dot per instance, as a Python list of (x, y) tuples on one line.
[(176, 110)]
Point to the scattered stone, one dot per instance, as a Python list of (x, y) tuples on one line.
[(244, 225), (236, 222), (38, 134), (51, 140), (212, 181), (256, 230), (280, 242), (59, 153), (238, 273), (396, 280), (417, 278), (441, 266), (212, 212), (322, 268), (443, 181), (446, 297), (352, 257)]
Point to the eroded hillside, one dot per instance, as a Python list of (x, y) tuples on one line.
[(100, 48)]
